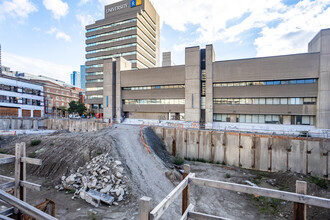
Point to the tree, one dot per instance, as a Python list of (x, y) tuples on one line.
[(77, 107)]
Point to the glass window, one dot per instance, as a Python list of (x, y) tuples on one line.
[(242, 101), (293, 81), (277, 82), (242, 118), (48, 90), (307, 81), (256, 83), (255, 119), (236, 84), (268, 119), (299, 101), (248, 118), (276, 101), (223, 117), (242, 84), (255, 101), (284, 101), (269, 101), (276, 119), (236, 101), (261, 119), (300, 81), (56, 91), (249, 101), (262, 101), (305, 120), (284, 82), (230, 84), (291, 101)]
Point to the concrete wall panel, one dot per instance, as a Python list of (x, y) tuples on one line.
[(192, 146), (219, 149), (279, 154), (317, 162), (232, 150), (246, 152), (205, 145), (297, 156)]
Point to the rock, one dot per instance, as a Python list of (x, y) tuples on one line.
[(120, 192), (70, 179), (63, 178), (117, 162), (120, 169), (119, 175), (115, 203), (106, 168), (106, 189), (120, 198)]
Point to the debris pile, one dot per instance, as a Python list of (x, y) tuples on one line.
[(100, 180)]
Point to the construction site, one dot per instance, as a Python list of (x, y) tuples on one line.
[(75, 169)]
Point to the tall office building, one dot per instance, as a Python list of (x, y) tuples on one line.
[(83, 77), (76, 79), (131, 30)]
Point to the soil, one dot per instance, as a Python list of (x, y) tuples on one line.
[(63, 152)]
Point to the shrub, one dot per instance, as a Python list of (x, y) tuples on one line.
[(323, 183), (228, 175), (35, 142), (178, 160), (32, 154)]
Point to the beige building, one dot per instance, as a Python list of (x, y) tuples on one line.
[(130, 29), (290, 89)]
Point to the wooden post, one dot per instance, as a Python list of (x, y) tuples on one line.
[(17, 169), (299, 209), (145, 208), (185, 192), (23, 172)]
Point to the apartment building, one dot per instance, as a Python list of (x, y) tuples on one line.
[(130, 29), (20, 97), (290, 89)]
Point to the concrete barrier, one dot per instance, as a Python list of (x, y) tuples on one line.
[(74, 125), (251, 151)]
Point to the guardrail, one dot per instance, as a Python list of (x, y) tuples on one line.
[(299, 198), (18, 201)]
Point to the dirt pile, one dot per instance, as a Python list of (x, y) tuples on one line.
[(100, 180)]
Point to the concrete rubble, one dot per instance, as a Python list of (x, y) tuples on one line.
[(99, 180)]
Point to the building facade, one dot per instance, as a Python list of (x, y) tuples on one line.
[(131, 30), (83, 77), (20, 98), (57, 96), (75, 78), (290, 89)]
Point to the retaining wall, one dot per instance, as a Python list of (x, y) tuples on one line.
[(251, 151), (74, 125), (21, 124)]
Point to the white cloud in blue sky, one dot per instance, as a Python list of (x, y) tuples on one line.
[(51, 32)]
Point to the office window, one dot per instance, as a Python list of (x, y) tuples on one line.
[(57, 98), (67, 99), (62, 93), (48, 90), (284, 101), (57, 104), (269, 101), (67, 94), (276, 101), (56, 91)]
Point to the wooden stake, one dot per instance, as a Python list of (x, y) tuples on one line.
[(185, 192), (145, 208), (23, 173), (299, 209)]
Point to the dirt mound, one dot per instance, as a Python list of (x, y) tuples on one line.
[(62, 152)]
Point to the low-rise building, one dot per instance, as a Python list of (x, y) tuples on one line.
[(58, 96), (20, 97), (289, 89)]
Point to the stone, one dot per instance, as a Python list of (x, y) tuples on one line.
[(120, 198), (70, 179), (119, 175), (106, 189), (117, 162), (120, 192), (63, 178)]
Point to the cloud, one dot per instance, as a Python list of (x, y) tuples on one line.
[(85, 19), (82, 2), (58, 8), (37, 66), (59, 34), (279, 26), (17, 8)]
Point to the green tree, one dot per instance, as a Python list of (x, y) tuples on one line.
[(77, 107)]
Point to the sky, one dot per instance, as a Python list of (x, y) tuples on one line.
[(47, 37)]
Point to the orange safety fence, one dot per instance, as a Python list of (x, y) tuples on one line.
[(145, 145)]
